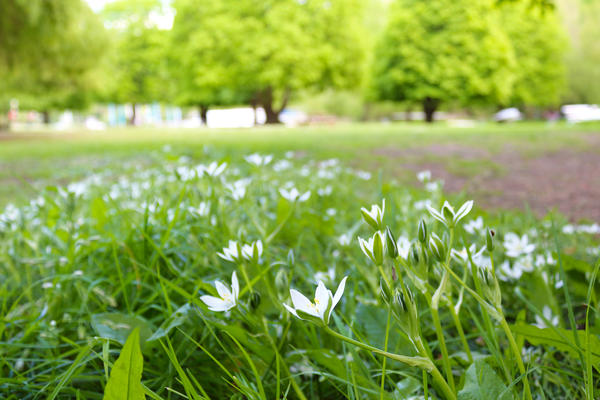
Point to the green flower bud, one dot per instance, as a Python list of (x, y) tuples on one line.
[(490, 287), (391, 245), (413, 255), (386, 291), (378, 251), (437, 247), (254, 300), (282, 282), (489, 239), (406, 311), (422, 232)]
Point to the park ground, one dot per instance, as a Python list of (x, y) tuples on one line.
[(529, 166)]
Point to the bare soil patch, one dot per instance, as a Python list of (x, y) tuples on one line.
[(566, 180)]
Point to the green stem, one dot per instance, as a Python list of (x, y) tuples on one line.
[(420, 362), (435, 300), (385, 347), (460, 330), (516, 352), (245, 274)]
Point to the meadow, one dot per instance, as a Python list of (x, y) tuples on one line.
[(182, 264)]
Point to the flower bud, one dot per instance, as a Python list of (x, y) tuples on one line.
[(437, 247), (413, 255), (282, 283), (254, 300), (448, 212), (489, 239), (391, 245), (406, 311), (422, 231), (378, 246), (490, 286), (386, 291)]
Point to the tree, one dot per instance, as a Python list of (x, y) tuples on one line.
[(49, 53), (443, 51), (583, 75), (265, 50), (539, 43), (138, 64)]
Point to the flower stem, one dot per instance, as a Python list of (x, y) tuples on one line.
[(439, 331), (515, 350), (421, 362), (385, 347)]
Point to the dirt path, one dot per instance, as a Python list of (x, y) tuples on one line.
[(567, 180)]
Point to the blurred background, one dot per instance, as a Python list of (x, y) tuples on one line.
[(98, 64)]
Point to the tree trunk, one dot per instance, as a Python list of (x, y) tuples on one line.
[(46, 117), (203, 113), (132, 119), (266, 100), (429, 107)]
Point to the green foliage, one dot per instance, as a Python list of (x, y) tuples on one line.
[(583, 75), (126, 374), (138, 64), (261, 51), (52, 55), (539, 45), (443, 51), (482, 382)]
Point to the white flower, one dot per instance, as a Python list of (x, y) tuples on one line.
[(323, 305), (516, 246), (364, 175), (432, 186), (424, 176), (326, 191), (375, 216), (344, 239), (422, 204), (202, 210), (373, 247), (281, 165), (475, 225), (448, 216), (227, 298), (553, 319), (252, 251), (403, 246), (258, 160), (325, 276), (230, 253), (238, 188), (520, 265), (213, 169), (293, 194)]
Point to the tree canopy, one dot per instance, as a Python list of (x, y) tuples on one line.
[(266, 50), (443, 51)]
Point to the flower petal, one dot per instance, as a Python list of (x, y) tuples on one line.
[(301, 302), (339, 292), (235, 286), (215, 304), (223, 290), (290, 309)]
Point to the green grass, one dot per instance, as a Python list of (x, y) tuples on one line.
[(33, 160), (128, 247)]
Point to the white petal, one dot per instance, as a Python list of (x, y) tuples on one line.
[(225, 256), (464, 210), (301, 302), (235, 286), (215, 304), (223, 290), (339, 292), (321, 295), (290, 309)]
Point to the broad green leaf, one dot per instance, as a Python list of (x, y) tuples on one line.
[(125, 382), (481, 382), (118, 326), (560, 338)]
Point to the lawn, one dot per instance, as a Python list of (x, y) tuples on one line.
[(190, 252)]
